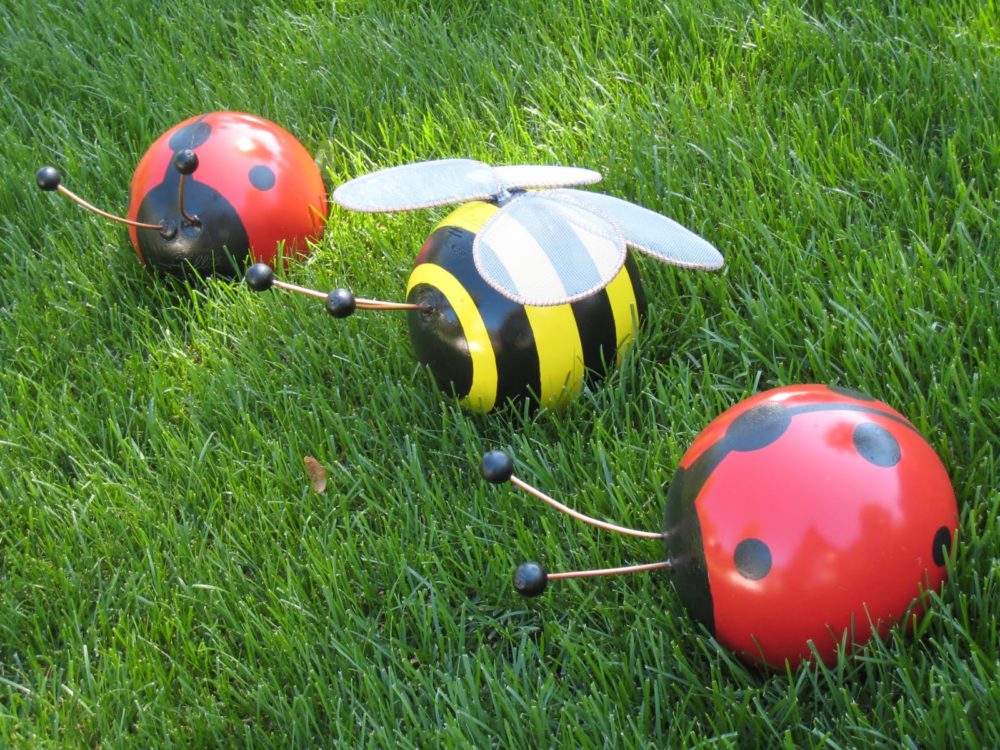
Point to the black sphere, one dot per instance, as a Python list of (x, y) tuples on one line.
[(48, 178), (530, 579), (260, 277), (496, 467), (340, 303), (186, 161)]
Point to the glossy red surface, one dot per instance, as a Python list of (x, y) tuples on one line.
[(292, 210), (851, 539)]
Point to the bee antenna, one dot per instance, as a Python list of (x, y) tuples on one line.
[(49, 179), (498, 467), (340, 303)]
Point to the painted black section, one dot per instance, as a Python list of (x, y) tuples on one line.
[(641, 307), (191, 135), (876, 444), (682, 541), (850, 393), (752, 559), (805, 408), (439, 341), (262, 177), (942, 546), (218, 243), (758, 427), (506, 322), (595, 321)]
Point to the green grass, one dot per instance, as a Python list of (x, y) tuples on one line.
[(168, 577)]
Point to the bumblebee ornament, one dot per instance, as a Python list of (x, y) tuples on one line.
[(798, 518), (216, 192), (527, 288)]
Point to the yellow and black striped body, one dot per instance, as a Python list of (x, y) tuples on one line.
[(487, 349)]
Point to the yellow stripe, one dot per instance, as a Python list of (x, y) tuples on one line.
[(470, 216), (621, 295), (483, 392), (560, 353)]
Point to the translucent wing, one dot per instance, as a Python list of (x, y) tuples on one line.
[(648, 231), (533, 177), (540, 251), (421, 185)]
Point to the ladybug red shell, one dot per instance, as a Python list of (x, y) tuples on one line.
[(802, 514), (254, 187)]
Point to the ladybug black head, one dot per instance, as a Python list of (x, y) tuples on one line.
[(203, 232)]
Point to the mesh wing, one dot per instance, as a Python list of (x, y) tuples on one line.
[(539, 251), (648, 231), (421, 185), (533, 177)]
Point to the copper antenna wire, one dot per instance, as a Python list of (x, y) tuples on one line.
[(360, 302), (609, 571), (581, 517), (180, 202), (91, 207)]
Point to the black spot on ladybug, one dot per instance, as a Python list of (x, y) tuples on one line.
[(876, 444), (262, 177), (942, 546), (758, 427), (190, 136), (850, 393), (752, 558)]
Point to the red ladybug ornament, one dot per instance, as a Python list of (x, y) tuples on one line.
[(802, 518), (802, 514), (250, 187)]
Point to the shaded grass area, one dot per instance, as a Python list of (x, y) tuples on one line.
[(167, 576)]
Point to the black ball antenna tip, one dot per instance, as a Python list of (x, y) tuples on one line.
[(48, 178), (260, 277), (496, 467), (186, 161), (530, 579), (340, 303)]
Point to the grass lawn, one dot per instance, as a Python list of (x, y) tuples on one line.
[(168, 577)]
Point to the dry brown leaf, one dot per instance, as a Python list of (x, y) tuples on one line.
[(317, 474)]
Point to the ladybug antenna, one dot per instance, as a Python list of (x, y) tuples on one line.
[(185, 162), (49, 179), (340, 303), (531, 579), (498, 467)]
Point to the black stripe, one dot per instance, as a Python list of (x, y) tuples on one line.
[(852, 407), (506, 321), (641, 307), (595, 320)]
